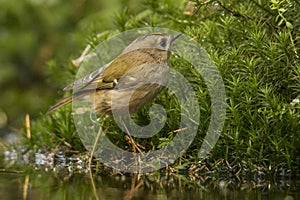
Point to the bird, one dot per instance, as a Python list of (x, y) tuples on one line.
[(133, 79)]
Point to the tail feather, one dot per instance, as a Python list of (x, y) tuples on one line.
[(76, 95), (60, 104)]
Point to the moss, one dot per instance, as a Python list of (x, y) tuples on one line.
[(255, 45)]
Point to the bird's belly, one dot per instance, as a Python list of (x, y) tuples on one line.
[(122, 101)]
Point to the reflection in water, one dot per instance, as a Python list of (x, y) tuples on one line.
[(70, 180), (47, 185)]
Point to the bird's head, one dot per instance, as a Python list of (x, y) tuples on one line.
[(155, 40)]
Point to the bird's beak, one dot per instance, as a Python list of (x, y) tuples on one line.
[(174, 37)]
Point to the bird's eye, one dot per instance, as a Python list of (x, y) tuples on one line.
[(163, 42)]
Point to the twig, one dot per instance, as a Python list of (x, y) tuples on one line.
[(27, 125), (178, 130)]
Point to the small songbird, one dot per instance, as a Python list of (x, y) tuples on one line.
[(137, 74)]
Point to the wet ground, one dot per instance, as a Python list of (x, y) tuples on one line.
[(46, 175)]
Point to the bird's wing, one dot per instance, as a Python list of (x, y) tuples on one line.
[(108, 73), (124, 63), (87, 79), (107, 76)]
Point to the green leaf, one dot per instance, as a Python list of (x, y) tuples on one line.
[(289, 25)]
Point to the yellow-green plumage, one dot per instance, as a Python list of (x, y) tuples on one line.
[(145, 60)]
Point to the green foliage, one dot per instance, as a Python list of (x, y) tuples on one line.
[(55, 131), (255, 45)]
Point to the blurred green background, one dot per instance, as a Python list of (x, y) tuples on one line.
[(36, 33), (254, 43)]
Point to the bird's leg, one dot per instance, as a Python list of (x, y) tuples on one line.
[(135, 145)]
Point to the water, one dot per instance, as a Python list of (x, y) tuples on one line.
[(20, 179), (43, 185), (48, 185)]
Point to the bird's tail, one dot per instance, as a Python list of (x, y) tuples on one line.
[(61, 103)]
